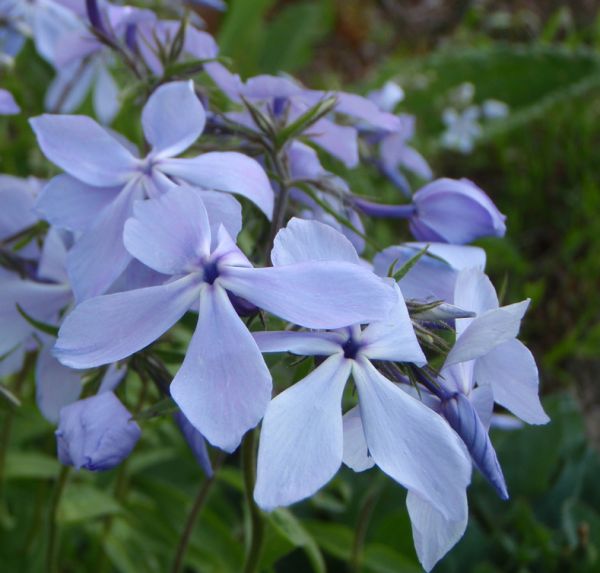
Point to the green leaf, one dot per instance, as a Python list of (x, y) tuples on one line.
[(308, 118), (41, 326), (289, 46), (83, 502), (334, 538), (380, 558), (403, 270), (291, 529), (30, 465)]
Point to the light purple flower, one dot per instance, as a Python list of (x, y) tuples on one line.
[(301, 444), (223, 385), (107, 177), (506, 367), (282, 95), (96, 434)]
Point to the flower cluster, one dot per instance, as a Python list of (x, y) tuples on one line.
[(225, 213)]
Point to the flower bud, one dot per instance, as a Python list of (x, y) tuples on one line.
[(96, 433), (464, 420), (455, 211)]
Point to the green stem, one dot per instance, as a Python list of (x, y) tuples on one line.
[(5, 432), (52, 548), (190, 523), (362, 525), (257, 524)]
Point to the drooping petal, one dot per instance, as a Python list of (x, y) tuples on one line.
[(230, 171), (99, 255), (301, 343), (410, 442), (511, 372), (303, 241), (83, 149), (301, 441), (71, 204), (314, 295), (433, 534), (173, 118), (169, 233), (223, 386), (108, 328), (393, 338), (356, 451), (485, 332), (56, 385)]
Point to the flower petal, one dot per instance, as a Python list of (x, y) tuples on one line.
[(314, 294), (173, 118), (71, 204), (485, 332), (56, 385), (108, 328), (410, 442), (223, 386), (301, 343), (99, 255), (41, 301), (393, 338), (433, 534), (303, 241), (301, 441), (511, 372), (229, 171), (83, 149), (356, 451), (169, 233)]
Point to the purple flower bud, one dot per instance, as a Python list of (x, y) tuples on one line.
[(93, 12), (466, 423), (196, 442), (96, 433), (455, 211)]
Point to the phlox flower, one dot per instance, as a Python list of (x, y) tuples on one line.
[(301, 445), (105, 178), (223, 386)]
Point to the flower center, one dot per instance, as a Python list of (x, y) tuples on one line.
[(211, 272), (351, 348)]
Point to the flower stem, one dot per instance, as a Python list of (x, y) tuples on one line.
[(190, 523), (52, 547), (257, 524), (364, 518)]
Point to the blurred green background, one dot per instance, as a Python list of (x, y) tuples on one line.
[(541, 165)]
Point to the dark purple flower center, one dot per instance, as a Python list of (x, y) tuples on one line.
[(211, 272), (351, 348)]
